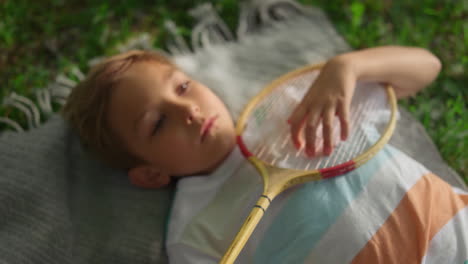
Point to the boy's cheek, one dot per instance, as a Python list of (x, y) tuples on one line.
[(175, 148)]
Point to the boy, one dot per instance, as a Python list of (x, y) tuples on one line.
[(139, 112)]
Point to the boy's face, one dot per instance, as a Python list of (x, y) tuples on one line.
[(176, 124)]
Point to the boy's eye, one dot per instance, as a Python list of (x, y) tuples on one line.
[(183, 87), (159, 124)]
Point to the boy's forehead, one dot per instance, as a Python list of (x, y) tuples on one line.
[(150, 69)]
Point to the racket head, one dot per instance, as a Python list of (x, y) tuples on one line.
[(264, 134)]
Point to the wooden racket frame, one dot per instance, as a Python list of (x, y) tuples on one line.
[(276, 180)]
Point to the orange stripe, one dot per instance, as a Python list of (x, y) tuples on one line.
[(405, 235)]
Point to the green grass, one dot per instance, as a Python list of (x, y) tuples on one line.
[(38, 39), (440, 26)]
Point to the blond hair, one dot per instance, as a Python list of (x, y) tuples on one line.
[(87, 108)]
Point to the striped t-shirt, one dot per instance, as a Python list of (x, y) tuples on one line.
[(390, 210)]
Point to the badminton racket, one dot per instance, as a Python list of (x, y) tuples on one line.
[(263, 137)]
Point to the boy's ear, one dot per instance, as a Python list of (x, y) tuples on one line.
[(148, 177)]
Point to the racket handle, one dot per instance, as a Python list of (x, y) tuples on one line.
[(246, 230)]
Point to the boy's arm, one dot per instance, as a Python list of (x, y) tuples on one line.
[(408, 69)]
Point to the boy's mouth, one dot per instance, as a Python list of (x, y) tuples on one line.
[(206, 127)]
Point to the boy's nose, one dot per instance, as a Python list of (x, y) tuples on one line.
[(187, 111), (192, 114)]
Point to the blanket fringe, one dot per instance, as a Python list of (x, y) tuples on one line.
[(24, 105), (260, 13), (210, 28), (176, 45), (57, 92)]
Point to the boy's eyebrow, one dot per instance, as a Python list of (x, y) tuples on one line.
[(169, 74)]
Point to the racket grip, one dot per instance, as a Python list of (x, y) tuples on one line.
[(246, 231)]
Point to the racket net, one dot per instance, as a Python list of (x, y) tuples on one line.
[(267, 135)]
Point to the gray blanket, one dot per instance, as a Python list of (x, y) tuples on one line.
[(57, 205)]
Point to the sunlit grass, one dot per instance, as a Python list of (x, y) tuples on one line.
[(439, 26)]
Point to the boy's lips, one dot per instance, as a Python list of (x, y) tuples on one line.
[(206, 127)]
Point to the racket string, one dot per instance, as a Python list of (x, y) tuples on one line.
[(282, 103), (303, 82), (349, 150), (358, 116), (361, 146), (342, 147), (341, 151), (278, 150)]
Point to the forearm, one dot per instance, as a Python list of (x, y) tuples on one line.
[(407, 69)]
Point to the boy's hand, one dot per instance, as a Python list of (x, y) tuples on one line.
[(330, 95), (407, 69)]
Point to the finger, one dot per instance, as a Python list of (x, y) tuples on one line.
[(302, 109), (343, 115), (311, 132), (296, 120), (328, 116)]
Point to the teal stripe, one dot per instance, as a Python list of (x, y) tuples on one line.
[(296, 230)]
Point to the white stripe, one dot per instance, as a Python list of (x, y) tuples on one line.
[(203, 190), (450, 244), (459, 191), (365, 215)]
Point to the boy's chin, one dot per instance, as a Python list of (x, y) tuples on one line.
[(212, 167), (217, 157)]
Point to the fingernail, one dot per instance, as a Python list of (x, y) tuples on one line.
[(289, 121), (297, 145)]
